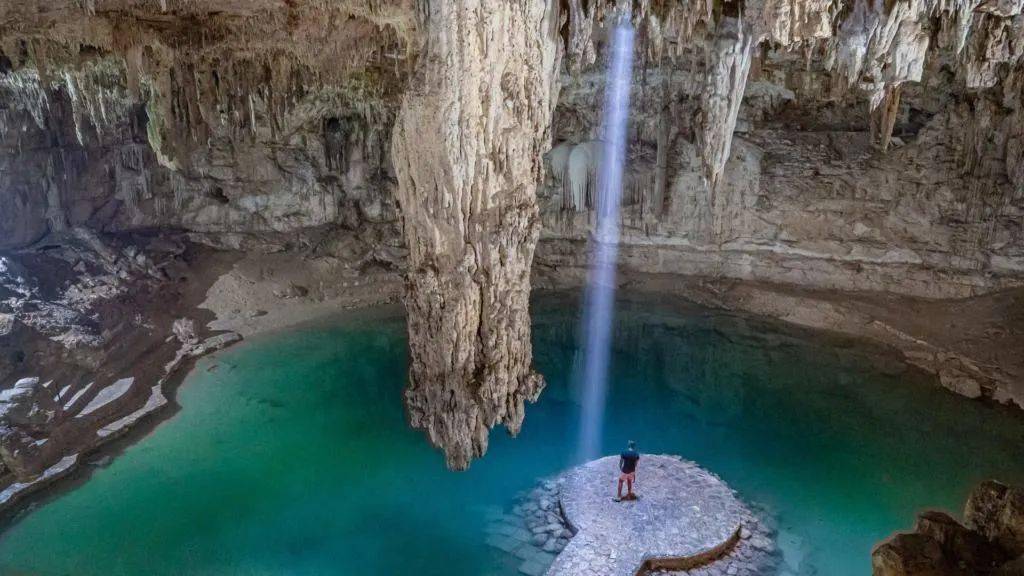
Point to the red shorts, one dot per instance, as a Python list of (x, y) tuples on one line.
[(631, 477)]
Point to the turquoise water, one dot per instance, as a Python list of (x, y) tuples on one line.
[(292, 455)]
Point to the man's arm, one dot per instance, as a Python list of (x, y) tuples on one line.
[(622, 464)]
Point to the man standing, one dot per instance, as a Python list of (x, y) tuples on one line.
[(627, 465)]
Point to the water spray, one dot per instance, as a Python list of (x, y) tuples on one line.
[(599, 304)]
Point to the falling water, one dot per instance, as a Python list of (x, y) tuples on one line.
[(600, 296)]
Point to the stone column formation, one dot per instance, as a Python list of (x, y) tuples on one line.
[(468, 146)]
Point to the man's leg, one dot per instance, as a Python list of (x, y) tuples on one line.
[(629, 484), (619, 493)]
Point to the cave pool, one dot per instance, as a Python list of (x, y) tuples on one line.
[(291, 455)]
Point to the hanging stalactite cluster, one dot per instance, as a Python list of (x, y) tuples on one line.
[(872, 48), (204, 69), (173, 80)]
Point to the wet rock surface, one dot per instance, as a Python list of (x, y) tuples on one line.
[(96, 330), (974, 340)]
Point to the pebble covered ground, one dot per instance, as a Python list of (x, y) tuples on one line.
[(535, 532)]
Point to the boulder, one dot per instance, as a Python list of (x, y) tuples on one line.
[(962, 546), (910, 555), (1011, 537), (940, 526), (960, 383), (996, 511)]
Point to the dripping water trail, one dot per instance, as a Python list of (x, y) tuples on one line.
[(599, 303)]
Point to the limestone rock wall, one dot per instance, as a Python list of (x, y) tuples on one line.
[(468, 148), (817, 144)]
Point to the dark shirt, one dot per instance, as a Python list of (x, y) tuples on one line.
[(628, 460)]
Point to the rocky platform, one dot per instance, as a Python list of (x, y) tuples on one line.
[(678, 497), (685, 517)]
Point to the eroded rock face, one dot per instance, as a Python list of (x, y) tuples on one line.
[(468, 146)]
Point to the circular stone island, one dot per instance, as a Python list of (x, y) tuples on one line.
[(685, 518)]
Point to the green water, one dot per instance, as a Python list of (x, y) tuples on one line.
[(292, 456)]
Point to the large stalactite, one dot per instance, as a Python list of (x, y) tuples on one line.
[(729, 63), (468, 146)]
